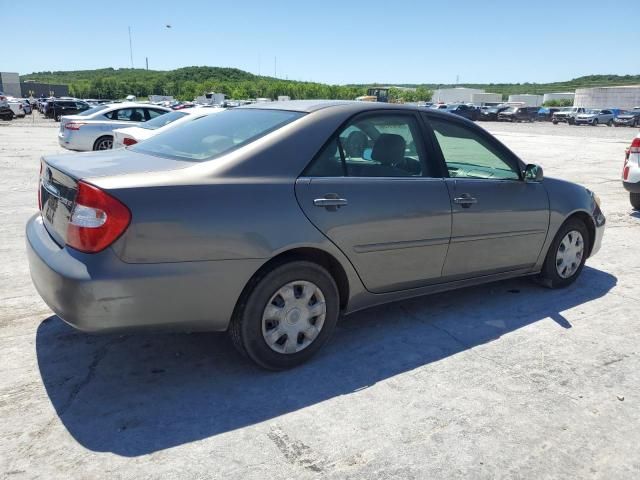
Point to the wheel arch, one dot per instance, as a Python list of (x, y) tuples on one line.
[(309, 254), (585, 218)]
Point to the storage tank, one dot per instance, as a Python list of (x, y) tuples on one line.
[(625, 97), (485, 97), (527, 99), (454, 95)]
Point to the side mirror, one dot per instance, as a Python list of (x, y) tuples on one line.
[(533, 173)]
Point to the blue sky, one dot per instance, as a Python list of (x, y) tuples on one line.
[(332, 41)]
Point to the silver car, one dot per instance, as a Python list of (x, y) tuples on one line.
[(271, 220), (595, 117), (93, 128)]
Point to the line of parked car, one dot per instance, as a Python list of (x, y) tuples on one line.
[(570, 115)]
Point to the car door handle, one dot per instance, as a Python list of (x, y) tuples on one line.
[(330, 202), (465, 200)]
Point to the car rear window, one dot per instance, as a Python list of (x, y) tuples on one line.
[(93, 110), (162, 120), (215, 135)]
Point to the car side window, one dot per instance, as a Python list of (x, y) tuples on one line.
[(468, 155), (373, 146)]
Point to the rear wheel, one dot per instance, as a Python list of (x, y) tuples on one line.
[(610, 123), (286, 315), (634, 198), (566, 256), (555, 122), (103, 143)]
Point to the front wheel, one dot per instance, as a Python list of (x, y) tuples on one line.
[(554, 122), (595, 122), (566, 255), (286, 315), (634, 198)]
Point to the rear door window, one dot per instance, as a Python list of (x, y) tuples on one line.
[(381, 145)]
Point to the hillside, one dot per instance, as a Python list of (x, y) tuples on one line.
[(539, 88), (187, 82)]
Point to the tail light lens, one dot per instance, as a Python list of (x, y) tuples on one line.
[(73, 125), (129, 141), (97, 220), (635, 146)]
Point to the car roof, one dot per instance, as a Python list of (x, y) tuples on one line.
[(308, 106)]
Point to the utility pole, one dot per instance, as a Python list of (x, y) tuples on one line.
[(146, 59), (275, 67), (130, 47)]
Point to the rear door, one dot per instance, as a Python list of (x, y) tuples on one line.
[(375, 192), (499, 221)]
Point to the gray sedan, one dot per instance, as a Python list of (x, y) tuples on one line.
[(93, 128), (271, 220)]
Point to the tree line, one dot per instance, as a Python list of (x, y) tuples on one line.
[(189, 82)]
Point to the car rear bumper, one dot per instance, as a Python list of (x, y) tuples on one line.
[(99, 292), (624, 121), (633, 187)]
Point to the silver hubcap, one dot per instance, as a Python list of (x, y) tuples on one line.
[(570, 252), (294, 317), (105, 145)]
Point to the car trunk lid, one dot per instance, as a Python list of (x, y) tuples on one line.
[(57, 193), (60, 175)]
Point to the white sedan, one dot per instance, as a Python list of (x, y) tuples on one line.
[(123, 137)]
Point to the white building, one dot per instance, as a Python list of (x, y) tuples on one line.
[(625, 97), (10, 84), (454, 95), (558, 96), (528, 99), (485, 97)]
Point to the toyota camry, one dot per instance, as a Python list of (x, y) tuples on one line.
[(269, 221)]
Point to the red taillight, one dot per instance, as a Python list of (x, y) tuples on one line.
[(97, 220), (73, 126), (635, 146), (625, 172), (129, 141)]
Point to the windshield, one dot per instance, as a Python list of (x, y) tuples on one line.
[(162, 120), (92, 110), (511, 109), (214, 135)]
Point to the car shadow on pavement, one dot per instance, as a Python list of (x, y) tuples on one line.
[(140, 393)]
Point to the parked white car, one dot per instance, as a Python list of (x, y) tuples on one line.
[(93, 128), (123, 137), (631, 172), (17, 107)]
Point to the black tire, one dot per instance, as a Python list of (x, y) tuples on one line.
[(595, 122), (610, 123), (245, 328), (103, 143), (634, 198), (549, 275), (554, 122)]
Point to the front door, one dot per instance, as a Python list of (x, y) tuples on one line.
[(499, 221), (374, 193)]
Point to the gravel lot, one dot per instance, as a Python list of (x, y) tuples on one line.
[(509, 380)]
